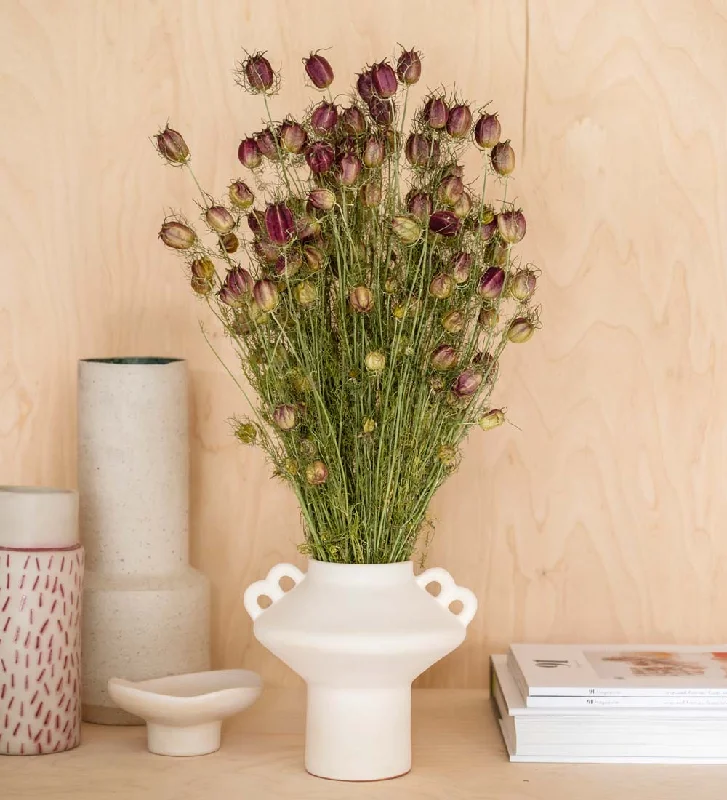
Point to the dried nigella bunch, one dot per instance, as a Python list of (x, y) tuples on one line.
[(369, 287)]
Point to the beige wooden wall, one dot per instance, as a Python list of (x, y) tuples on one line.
[(604, 518)]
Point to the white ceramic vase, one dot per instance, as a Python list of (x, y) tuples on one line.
[(359, 635), (41, 574), (146, 611)]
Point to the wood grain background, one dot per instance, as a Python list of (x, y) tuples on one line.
[(603, 517)]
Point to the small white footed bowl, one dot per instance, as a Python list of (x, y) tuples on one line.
[(184, 713)]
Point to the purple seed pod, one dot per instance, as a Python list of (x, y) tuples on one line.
[(314, 257), (371, 194), (450, 190), (420, 205), (444, 357), (307, 227), (353, 121), (240, 195), (488, 223), (279, 223), (177, 235), (361, 299), (409, 67), (491, 283), (258, 73), (421, 151), (365, 86), (467, 383), (444, 223), (435, 113), (284, 417), (318, 70), (255, 221), (266, 251), (171, 145), (288, 263), (373, 154), (503, 158), (293, 137), (512, 226), (320, 157), (384, 79), (350, 169), (220, 219), (487, 131), (249, 153), (459, 121), (324, 118), (520, 330), (323, 199), (461, 266), (382, 111), (237, 286), (488, 318), (266, 295), (463, 206), (267, 144)]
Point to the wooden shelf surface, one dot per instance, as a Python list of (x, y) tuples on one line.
[(457, 749)]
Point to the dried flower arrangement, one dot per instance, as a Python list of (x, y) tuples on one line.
[(377, 293)]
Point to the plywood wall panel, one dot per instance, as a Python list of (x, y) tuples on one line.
[(600, 517)]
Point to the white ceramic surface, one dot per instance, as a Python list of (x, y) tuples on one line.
[(41, 572), (146, 611), (184, 713), (359, 635)]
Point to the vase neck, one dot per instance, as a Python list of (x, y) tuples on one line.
[(373, 575)]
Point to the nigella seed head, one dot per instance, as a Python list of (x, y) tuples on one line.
[(305, 294), (288, 263), (279, 223), (435, 113), (406, 229), (266, 251), (203, 268), (314, 257), (255, 221), (229, 242), (177, 235), (318, 70), (450, 190), (461, 266), (447, 455), (350, 169), (522, 285), (463, 206), (444, 358), (421, 206), (365, 86), (284, 417), (370, 194), (246, 432), (267, 144), (373, 154), (488, 223), (384, 80), (441, 286), (503, 158), (323, 199), (292, 137), (375, 361), (240, 195), (172, 147), (445, 223), (520, 330), (316, 473), (320, 157), (219, 219), (487, 131), (512, 226), (491, 283), (324, 118), (307, 227), (492, 419), (237, 286), (382, 111), (361, 299), (488, 318), (259, 75), (459, 121), (249, 153), (409, 67), (421, 151), (467, 383), (453, 321), (353, 121), (266, 295)]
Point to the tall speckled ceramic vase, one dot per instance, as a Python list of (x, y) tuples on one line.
[(146, 611)]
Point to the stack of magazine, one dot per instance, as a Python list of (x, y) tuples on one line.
[(607, 704)]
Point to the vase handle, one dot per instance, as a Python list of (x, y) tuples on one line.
[(450, 592), (269, 586)]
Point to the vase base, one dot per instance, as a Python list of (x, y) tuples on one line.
[(359, 780)]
